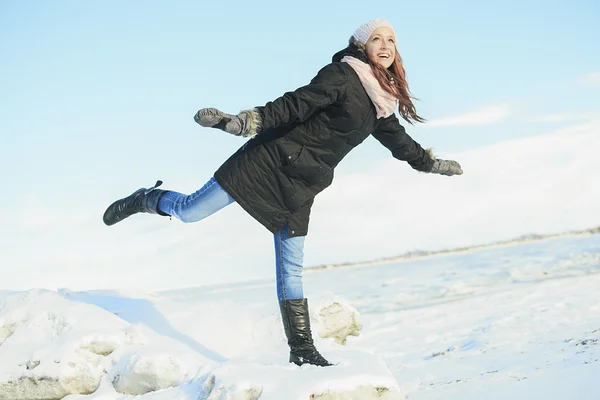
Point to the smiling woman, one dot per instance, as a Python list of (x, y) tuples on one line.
[(381, 47), (296, 142), (386, 63)]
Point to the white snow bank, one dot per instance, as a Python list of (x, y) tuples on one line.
[(357, 376), (155, 366), (59, 347), (56, 347)]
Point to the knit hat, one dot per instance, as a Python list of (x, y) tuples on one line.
[(363, 33)]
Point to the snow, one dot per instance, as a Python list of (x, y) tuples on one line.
[(519, 322)]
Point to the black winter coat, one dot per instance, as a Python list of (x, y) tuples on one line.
[(303, 135)]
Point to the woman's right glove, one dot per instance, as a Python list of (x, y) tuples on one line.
[(446, 167), (243, 124)]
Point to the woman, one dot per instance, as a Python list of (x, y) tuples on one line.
[(296, 142)]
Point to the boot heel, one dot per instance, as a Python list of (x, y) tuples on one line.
[(157, 184)]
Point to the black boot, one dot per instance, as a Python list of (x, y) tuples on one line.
[(296, 323), (142, 200)]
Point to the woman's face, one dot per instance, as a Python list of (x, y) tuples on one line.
[(381, 46)]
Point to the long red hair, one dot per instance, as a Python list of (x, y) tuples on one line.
[(393, 81)]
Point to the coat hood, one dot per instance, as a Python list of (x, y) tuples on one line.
[(353, 51)]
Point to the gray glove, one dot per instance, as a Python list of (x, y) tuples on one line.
[(238, 125), (446, 167)]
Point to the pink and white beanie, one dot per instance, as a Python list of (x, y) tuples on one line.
[(363, 33)]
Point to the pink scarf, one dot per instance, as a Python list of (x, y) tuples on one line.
[(385, 103)]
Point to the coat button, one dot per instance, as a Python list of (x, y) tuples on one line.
[(289, 156), (293, 232)]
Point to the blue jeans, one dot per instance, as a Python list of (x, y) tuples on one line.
[(289, 251)]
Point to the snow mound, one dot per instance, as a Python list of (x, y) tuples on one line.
[(357, 375), (153, 368), (58, 347), (54, 347), (338, 320)]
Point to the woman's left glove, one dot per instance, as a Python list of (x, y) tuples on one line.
[(446, 167), (243, 124)]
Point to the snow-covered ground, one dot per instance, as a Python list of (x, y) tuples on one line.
[(518, 322)]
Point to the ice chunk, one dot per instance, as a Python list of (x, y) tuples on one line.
[(338, 320), (142, 373)]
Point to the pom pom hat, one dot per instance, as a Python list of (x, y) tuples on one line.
[(363, 33)]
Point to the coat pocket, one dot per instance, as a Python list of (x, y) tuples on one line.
[(301, 165), (292, 157)]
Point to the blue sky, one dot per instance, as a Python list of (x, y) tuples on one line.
[(97, 98)]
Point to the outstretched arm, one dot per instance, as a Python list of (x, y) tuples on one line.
[(293, 107), (393, 136)]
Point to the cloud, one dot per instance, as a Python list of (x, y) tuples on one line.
[(564, 117), (591, 79), (482, 116)]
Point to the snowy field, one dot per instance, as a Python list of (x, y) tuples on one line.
[(515, 322)]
